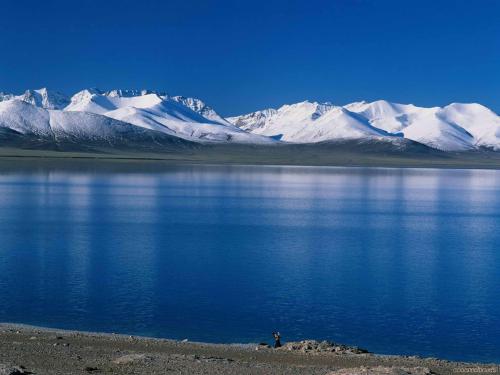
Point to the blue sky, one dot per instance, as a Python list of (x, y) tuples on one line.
[(240, 56)]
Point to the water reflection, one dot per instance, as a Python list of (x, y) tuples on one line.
[(397, 260)]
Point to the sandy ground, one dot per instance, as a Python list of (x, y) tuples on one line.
[(25, 349)]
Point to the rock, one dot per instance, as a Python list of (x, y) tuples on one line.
[(132, 358), (189, 357), (381, 370), (262, 345), (90, 369), (313, 346), (215, 359), (11, 370)]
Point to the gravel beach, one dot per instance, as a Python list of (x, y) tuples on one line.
[(26, 349)]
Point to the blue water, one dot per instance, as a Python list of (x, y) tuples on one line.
[(400, 261)]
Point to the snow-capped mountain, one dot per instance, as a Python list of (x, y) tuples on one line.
[(63, 127), (41, 98), (100, 102), (95, 100), (94, 114), (4, 96), (254, 120), (183, 117), (45, 98), (200, 107), (456, 127), (309, 122)]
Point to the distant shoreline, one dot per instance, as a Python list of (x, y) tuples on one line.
[(43, 350), (263, 156)]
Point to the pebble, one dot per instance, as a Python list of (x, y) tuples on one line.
[(131, 358), (90, 369), (11, 370), (262, 345), (381, 370)]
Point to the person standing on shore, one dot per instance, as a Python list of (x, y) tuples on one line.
[(277, 340)]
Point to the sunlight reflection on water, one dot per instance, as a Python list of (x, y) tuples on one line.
[(395, 260)]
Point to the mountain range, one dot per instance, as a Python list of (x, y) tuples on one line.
[(156, 120)]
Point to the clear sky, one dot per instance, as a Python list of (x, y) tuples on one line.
[(240, 56)]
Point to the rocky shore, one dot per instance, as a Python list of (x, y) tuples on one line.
[(33, 350)]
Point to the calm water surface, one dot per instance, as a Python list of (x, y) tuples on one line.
[(397, 261)]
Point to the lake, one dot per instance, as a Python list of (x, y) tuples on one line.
[(398, 261)]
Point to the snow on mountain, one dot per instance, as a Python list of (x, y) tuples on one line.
[(4, 96), (84, 125), (388, 116), (131, 93), (42, 98), (252, 121), (415, 123), (45, 99), (481, 122), (96, 101), (183, 117), (308, 122), (457, 127), (25, 118), (78, 127), (428, 128), (200, 107), (92, 113), (165, 117)]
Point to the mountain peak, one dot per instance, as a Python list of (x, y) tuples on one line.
[(308, 105), (457, 126), (253, 120), (45, 98), (130, 93), (200, 107), (5, 96), (463, 107)]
